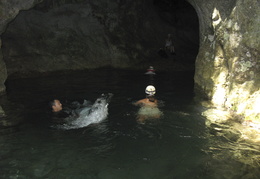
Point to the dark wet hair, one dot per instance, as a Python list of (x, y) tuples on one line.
[(52, 103)]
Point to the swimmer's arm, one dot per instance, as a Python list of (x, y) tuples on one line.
[(136, 103)]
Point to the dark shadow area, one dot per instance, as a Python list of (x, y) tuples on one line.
[(182, 16), (77, 35)]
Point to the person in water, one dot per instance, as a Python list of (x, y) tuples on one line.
[(56, 105), (169, 44), (149, 106), (75, 114), (60, 113)]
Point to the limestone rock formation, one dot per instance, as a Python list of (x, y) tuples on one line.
[(227, 66)]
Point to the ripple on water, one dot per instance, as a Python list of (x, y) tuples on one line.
[(178, 145)]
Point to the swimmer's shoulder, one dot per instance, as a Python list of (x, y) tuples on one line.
[(60, 116)]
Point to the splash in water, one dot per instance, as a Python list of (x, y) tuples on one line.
[(89, 114)]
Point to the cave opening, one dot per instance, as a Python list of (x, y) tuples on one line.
[(77, 35), (183, 17)]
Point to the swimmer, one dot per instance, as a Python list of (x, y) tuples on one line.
[(56, 105), (150, 71), (59, 114), (149, 106), (77, 115), (169, 44)]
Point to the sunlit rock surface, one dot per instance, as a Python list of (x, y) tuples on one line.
[(227, 66)]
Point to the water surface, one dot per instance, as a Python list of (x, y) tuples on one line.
[(178, 145)]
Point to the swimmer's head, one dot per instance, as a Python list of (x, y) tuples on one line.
[(55, 105), (150, 90)]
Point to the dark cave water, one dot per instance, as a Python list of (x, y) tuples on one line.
[(175, 146)]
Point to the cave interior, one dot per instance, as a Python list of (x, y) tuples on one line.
[(61, 35)]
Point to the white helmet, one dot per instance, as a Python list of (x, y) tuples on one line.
[(150, 89)]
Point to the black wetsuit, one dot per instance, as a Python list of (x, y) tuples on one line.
[(61, 116), (69, 112)]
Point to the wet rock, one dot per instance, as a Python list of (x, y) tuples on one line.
[(2, 113), (227, 66), (3, 72), (232, 135), (216, 115)]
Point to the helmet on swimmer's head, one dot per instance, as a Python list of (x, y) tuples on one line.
[(150, 90)]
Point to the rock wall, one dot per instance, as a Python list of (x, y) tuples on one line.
[(82, 34), (3, 72), (227, 66), (8, 11), (73, 35)]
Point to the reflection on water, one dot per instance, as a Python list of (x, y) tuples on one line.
[(178, 145)]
